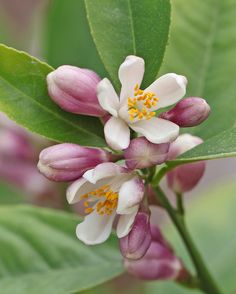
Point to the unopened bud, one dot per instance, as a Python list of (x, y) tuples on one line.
[(137, 242), (25, 176), (142, 154), (189, 112), (15, 145), (185, 177), (67, 162), (159, 262), (158, 237), (74, 90)]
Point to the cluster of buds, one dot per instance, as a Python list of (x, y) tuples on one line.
[(115, 195), (147, 255)]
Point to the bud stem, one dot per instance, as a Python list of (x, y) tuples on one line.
[(191, 283), (207, 283), (159, 175)]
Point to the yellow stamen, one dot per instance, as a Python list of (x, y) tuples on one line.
[(106, 205), (89, 210), (140, 106)]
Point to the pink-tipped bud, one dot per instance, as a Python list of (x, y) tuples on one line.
[(189, 112), (74, 90), (142, 154), (67, 162), (136, 243), (185, 177), (159, 262)]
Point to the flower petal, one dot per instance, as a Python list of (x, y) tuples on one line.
[(95, 228), (130, 194), (102, 171), (125, 223), (107, 97), (131, 73), (156, 130), (169, 89), (117, 133), (81, 187)]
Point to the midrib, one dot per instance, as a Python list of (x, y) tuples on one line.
[(132, 26), (207, 60)]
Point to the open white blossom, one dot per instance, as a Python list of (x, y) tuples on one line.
[(136, 108), (107, 191)]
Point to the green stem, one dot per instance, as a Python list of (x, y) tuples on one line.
[(207, 284), (180, 204)]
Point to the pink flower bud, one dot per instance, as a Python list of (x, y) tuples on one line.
[(74, 90), (137, 242), (159, 262), (189, 112), (15, 145), (142, 154), (67, 162), (158, 237), (25, 176), (185, 177)]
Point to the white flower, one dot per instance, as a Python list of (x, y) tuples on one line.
[(106, 191), (137, 108)]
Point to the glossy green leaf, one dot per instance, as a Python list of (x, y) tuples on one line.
[(210, 219), (24, 98), (202, 47), (123, 27), (67, 39), (40, 254)]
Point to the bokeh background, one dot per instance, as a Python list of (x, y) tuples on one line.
[(54, 31)]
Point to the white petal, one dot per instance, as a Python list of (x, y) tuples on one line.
[(130, 194), (81, 187), (102, 171), (95, 228), (131, 73), (124, 113), (156, 130), (169, 89), (125, 223), (107, 97), (117, 133), (74, 188)]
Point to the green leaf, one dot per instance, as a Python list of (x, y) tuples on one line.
[(74, 44), (40, 254), (202, 47), (210, 219), (123, 27), (24, 98), (10, 195)]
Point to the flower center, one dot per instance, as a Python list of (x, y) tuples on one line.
[(140, 105), (106, 200)]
